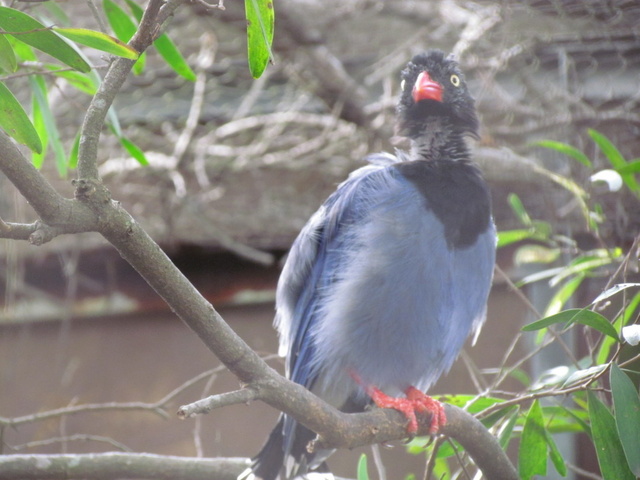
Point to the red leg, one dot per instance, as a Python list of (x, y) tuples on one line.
[(424, 403), (403, 405), (416, 401)]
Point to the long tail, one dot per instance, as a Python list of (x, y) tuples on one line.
[(273, 463)]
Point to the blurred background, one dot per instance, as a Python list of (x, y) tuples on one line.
[(238, 165)]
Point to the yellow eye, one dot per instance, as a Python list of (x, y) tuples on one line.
[(402, 84), (455, 80)]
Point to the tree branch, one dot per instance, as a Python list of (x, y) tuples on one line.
[(117, 465)]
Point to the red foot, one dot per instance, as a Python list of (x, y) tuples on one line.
[(416, 402)]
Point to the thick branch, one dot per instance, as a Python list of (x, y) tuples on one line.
[(117, 465), (59, 215)]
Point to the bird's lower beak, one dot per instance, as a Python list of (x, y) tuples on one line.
[(426, 89)]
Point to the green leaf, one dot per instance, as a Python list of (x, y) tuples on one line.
[(613, 290), (73, 154), (583, 264), (632, 167), (563, 294), (99, 41), (519, 210), (121, 24), (85, 83), (532, 455), (15, 122), (575, 315), (507, 237), (37, 159), (30, 31), (534, 253), (166, 48), (566, 150), (134, 151), (627, 409), (260, 20), (614, 156), (363, 472), (556, 456), (40, 95), (23, 51), (607, 342), (8, 61), (609, 149), (611, 458), (505, 434), (584, 375), (490, 420), (563, 419), (471, 403)]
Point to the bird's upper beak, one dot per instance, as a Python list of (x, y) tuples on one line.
[(426, 89)]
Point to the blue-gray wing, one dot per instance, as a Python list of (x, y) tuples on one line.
[(371, 286)]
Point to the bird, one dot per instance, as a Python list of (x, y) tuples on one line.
[(390, 276)]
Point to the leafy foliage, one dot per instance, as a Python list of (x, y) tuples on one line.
[(260, 21), (23, 37)]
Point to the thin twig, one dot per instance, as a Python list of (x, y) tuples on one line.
[(79, 437), (205, 405)]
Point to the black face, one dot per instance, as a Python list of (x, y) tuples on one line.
[(456, 105)]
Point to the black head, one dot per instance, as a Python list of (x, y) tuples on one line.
[(434, 87)]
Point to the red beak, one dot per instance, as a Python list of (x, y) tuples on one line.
[(426, 89)]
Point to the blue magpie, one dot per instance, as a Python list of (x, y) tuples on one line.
[(389, 277)]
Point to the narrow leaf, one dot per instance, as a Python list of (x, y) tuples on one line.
[(30, 31), (37, 159), (584, 375), (627, 409), (363, 472), (532, 455), (166, 48), (609, 149), (99, 41), (504, 437), (8, 61), (23, 51), (615, 157), (575, 315), (613, 464), (556, 456), (507, 237), (632, 167), (613, 290), (566, 150), (563, 294), (534, 253), (15, 122), (134, 151), (121, 24), (39, 89), (84, 83), (622, 319), (170, 53), (73, 154), (519, 210), (260, 20)]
